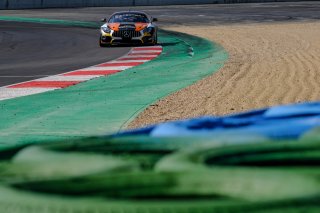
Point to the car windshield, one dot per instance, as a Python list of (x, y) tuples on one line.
[(129, 17)]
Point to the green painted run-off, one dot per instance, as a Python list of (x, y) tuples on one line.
[(106, 104)]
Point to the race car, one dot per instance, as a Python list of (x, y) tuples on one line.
[(129, 27)]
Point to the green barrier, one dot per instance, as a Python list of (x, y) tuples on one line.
[(13, 201), (175, 163), (242, 172), (202, 177)]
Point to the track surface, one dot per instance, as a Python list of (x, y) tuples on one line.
[(30, 51)]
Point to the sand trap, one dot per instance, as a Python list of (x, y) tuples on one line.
[(270, 64)]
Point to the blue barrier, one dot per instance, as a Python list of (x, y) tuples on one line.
[(281, 122)]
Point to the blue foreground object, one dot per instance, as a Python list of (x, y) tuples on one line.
[(211, 164), (281, 122)]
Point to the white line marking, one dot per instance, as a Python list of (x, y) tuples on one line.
[(130, 61), (8, 93), (153, 47), (138, 56), (69, 78), (146, 51), (106, 68)]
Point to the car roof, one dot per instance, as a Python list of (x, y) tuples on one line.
[(130, 11)]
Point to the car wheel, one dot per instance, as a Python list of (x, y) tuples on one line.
[(102, 44), (155, 40)]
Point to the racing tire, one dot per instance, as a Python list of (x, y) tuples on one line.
[(102, 44), (155, 41)]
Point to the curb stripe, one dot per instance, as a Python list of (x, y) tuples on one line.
[(106, 68), (128, 60), (141, 55), (68, 78), (136, 57), (146, 51), (112, 64), (45, 84), (144, 54), (147, 48), (8, 93), (92, 72)]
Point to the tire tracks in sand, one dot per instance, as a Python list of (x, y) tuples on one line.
[(269, 64)]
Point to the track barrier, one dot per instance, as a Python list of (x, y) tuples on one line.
[(34, 4)]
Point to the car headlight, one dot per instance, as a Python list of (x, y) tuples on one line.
[(106, 29)]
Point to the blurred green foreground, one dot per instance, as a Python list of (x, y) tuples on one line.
[(170, 175)]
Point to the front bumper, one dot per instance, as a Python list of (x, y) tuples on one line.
[(143, 38)]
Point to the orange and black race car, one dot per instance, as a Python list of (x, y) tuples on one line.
[(130, 27)]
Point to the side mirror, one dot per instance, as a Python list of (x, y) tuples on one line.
[(154, 19), (104, 20)]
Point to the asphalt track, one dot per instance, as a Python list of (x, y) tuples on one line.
[(29, 51)]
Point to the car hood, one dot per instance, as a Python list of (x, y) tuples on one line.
[(127, 25)]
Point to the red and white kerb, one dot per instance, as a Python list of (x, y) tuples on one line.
[(135, 57)]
